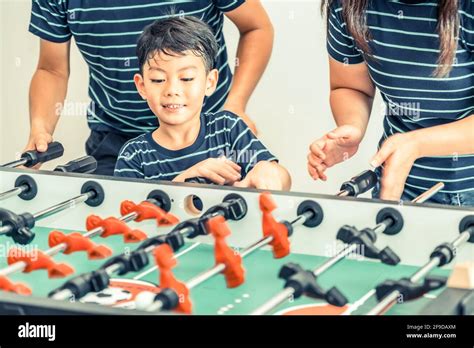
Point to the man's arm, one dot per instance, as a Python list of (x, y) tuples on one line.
[(253, 53), (47, 92)]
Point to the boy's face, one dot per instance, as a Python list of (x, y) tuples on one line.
[(175, 86)]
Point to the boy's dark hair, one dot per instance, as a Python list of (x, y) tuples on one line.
[(175, 35)]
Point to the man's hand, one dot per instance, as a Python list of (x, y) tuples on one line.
[(221, 171), (264, 175), (398, 153), (336, 146), (39, 141)]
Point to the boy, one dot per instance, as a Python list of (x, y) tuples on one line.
[(176, 58)]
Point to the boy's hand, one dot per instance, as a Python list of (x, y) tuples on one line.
[(264, 176), (219, 170), (336, 146), (398, 152)]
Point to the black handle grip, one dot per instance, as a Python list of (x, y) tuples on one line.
[(199, 180), (86, 165), (361, 183), (34, 157)]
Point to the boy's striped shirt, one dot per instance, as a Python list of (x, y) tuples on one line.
[(221, 134)]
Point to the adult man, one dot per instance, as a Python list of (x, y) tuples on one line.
[(106, 34)]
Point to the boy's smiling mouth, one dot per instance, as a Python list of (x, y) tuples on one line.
[(173, 106)]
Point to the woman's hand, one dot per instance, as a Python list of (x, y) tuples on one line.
[(397, 154), (334, 147)]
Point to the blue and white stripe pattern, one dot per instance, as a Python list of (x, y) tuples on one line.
[(221, 134), (106, 33), (405, 46)]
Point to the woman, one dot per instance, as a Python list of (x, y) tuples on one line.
[(419, 54)]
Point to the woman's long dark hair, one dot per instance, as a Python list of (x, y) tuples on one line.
[(353, 12)]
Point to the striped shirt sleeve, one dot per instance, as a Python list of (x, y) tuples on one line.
[(49, 20), (340, 45), (228, 5), (129, 162), (246, 149)]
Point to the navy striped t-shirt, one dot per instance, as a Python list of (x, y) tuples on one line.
[(106, 33), (405, 48), (221, 134)]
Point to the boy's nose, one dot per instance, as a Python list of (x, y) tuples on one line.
[(172, 89)]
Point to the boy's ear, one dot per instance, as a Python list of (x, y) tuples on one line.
[(140, 84), (211, 83)]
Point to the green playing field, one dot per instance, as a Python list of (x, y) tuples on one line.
[(353, 277)]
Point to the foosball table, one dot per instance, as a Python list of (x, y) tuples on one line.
[(73, 243)]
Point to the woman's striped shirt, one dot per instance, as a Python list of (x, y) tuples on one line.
[(405, 47)]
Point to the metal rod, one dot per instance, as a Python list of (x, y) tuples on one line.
[(343, 193), (359, 302), (301, 219), (63, 295), (70, 203), (275, 301), (5, 229), (379, 228), (427, 268), (156, 306), (335, 259), (385, 304), (429, 193), (15, 164), (463, 237), (13, 192)]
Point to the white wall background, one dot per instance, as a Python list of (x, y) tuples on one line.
[(290, 105)]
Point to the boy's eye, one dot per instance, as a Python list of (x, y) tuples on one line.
[(157, 81), (188, 79)]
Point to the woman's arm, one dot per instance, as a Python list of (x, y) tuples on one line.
[(456, 138), (352, 94), (400, 151), (351, 97)]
